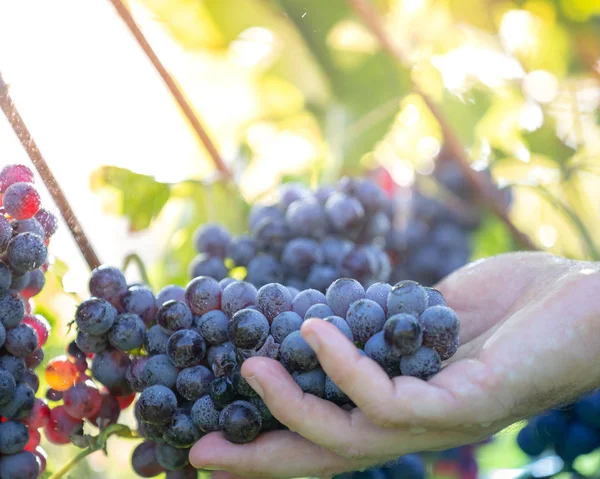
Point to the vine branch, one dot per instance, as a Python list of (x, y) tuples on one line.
[(371, 18), (20, 128), (178, 95)]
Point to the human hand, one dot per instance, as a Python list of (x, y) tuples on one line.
[(529, 329)]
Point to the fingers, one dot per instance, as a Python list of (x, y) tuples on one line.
[(361, 378), (274, 454), (320, 421)]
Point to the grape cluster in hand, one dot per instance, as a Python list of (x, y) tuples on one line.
[(183, 350), (570, 431), (25, 232), (306, 239)]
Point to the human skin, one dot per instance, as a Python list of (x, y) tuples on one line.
[(530, 329)]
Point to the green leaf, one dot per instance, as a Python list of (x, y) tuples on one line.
[(138, 197), (491, 238)]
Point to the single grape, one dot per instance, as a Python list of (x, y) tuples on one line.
[(159, 370), (264, 269), (12, 309), (15, 366), (434, 297), (156, 340), (48, 221), (407, 297), (272, 299), (186, 348), (193, 383), (109, 413), (171, 458), (371, 196), (21, 200), (305, 299), (108, 283), (344, 212), (39, 415), (342, 293), (241, 250), (205, 414), (213, 326), (404, 332), (110, 367), (15, 173), (127, 332), (342, 325), (141, 301), (182, 432), (311, 382), (168, 293), (241, 422), (379, 292), (30, 225), (35, 359), (319, 310), (211, 266), (54, 395), (90, 343), (224, 283), (31, 379), (365, 318), (35, 285), (248, 329), (20, 281), (144, 462), (22, 465), (321, 276), (173, 316), (578, 440), (290, 192), (7, 386), (222, 392), (61, 427), (152, 432), (21, 341), (284, 324), (297, 354), (306, 218), (156, 405), (238, 296), (20, 405), (440, 328), (82, 400), (6, 232), (530, 442), (300, 255), (384, 354), (212, 239), (203, 294), (587, 409), (423, 364), (5, 273)]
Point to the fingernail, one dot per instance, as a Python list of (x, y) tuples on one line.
[(254, 384)]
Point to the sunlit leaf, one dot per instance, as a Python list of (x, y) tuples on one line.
[(491, 238)]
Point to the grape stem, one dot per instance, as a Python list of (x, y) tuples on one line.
[(20, 128), (134, 258), (372, 19), (171, 84), (97, 443)]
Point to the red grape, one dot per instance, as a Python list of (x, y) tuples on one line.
[(12, 174), (40, 325)]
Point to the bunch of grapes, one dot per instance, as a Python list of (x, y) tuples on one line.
[(25, 232), (569, 432), (306, 239), (183, 349)]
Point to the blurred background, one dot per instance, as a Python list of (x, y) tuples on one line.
[(308, 91)]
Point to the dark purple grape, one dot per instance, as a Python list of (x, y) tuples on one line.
[(440, 328), (342, 325), (321, 276), (264, 269), (404, 332), (241, 250), (186, 348), (15, 366), (319, 311), (284, 324), (222, 392), (110, 367), (272, 299), (135, 373), (306, 218), (240, 422), (159, 370), (141, 301), (21, 341), (248, 329), (260, 212), (213, 326), (297, 354), (188, 472), (48, 221), (5, 276), (171, 458), (237, 296), (35, 285), (35, 359), (173, 316), (26, 252), (384, 354), (423, 364), (290, 192), (305, 299), (21, 403), (128, 332), (22, 465), (193, 383), (20, 281), (334, 249), (108, 283), (300, 255), (344, 212), (379, 292), (29, 226), (212, 239), (95, 316), (333, 393), (311, 382), (31, 378), (7, 386), (143, 460), (13, 437), (203, 294), (168, 293), (365, 318), (90, 343), (434, 298), (205, 415), (206, 265), (156, 340), (181, 432), (342, 293), (53, 395), (156, 405), (407, 297), (367, 191), (6, 232)]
